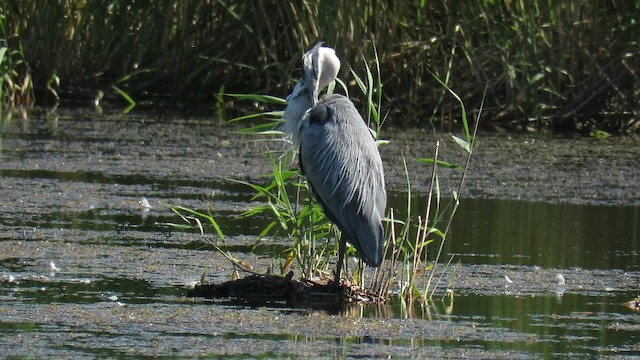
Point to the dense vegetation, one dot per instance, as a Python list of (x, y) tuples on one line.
[(563, 65)]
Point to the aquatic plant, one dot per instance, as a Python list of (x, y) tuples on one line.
[(300, 220), (442, 216), (288, 200), (193, 219)]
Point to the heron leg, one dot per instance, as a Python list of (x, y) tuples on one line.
[(341, 250)]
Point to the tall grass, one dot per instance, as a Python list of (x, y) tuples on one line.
[(16, 86), (409, 241), (549, 64)]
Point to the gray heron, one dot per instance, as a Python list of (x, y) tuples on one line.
[(339, 157)]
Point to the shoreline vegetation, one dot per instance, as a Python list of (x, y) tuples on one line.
[(564, 66)]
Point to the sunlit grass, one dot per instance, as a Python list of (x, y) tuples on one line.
[(410, 240), (542, 63), (295, 216), (16, 84), (200, 222)]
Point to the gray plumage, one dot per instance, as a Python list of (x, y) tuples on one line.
[(338, 156), (341, 161)]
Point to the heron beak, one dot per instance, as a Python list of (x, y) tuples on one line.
[(316, 61), (314, 93)]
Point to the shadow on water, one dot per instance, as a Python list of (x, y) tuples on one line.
[(547, 235), (489, 231), (86, 271)]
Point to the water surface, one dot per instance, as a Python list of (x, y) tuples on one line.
[(87, 271)]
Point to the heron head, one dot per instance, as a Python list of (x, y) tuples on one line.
[(320, 68)]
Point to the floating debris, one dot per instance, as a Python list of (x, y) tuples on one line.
[(53, 267), (633, 304), (273, 289), (145, 203), (560, 279)]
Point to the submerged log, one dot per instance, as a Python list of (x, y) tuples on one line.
[(273, 289)]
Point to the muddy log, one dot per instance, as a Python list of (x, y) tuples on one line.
[(273, 289)]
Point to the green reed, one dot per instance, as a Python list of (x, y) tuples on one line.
[(564, 65), (16, 85)]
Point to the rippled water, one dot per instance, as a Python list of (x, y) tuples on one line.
[(88, 272)]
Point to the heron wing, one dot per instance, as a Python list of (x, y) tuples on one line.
[(342, 163)]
